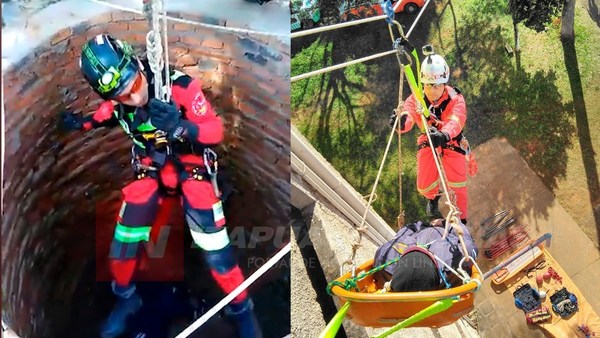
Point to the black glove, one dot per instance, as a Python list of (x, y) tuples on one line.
[(402, 120), (438, 138), (70, 121), (164, 116)]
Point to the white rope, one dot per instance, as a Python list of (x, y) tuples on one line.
[(214, 310), (461, 273), (362, 228), (154, 48), (196, 23), (163, 13)]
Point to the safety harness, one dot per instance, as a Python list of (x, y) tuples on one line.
[(434, 118), (152, 143)]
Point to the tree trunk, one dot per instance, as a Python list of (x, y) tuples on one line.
[(516, 30), (517, 43), (567, 29)]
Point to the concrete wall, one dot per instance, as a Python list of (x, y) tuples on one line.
[(54, 182)]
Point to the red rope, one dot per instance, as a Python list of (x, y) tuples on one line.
[(503, 243)]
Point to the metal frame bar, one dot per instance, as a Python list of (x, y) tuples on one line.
[(347, 24), (342, 25), (341, 65)]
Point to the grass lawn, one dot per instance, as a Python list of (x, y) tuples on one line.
[(544, 100)]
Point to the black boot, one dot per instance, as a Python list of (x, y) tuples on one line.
[(433, 211), (245, 319)]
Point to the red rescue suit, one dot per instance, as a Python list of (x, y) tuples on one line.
[(448, 114), (142, 197)]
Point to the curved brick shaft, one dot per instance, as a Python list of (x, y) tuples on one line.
[(64, 187)]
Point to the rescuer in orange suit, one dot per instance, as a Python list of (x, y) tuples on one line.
[(447, 118), (171, 156)]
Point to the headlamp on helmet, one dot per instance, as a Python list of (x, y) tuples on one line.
[(108, 64)]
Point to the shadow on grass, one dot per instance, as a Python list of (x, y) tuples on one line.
[(345, 113), (583, 128), (524, 107), (594, 11)]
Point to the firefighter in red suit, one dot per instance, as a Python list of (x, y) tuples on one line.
[(447, 118), (169, 141)]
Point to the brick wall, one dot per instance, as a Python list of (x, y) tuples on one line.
[(53, 181)]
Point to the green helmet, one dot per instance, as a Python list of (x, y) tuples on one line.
[(108, 64)]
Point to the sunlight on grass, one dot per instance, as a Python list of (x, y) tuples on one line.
[(315, 57), (337, 113)]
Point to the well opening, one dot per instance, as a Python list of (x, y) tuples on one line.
[(61, 192)]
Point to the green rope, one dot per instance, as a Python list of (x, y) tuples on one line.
[(352, 283)]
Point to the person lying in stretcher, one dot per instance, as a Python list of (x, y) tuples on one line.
[(417, 245)]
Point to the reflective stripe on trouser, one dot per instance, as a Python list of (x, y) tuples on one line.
[(455, 167), (206, 220), (139, 208)]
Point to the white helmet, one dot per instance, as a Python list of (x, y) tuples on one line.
[(434, 70)]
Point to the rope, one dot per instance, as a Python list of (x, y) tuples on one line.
[(166, 42), (398, 111), (363, 228), (196, 23), (241, 288), (153, 10), (452, 219), (351, 283), (461, 273)]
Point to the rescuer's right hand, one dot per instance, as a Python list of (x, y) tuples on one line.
[(71, 121)]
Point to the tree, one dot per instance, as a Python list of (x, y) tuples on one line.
[(534, 14), (567, 29)]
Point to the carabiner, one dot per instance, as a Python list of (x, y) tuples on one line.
[(210, 161), (353, 270)]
